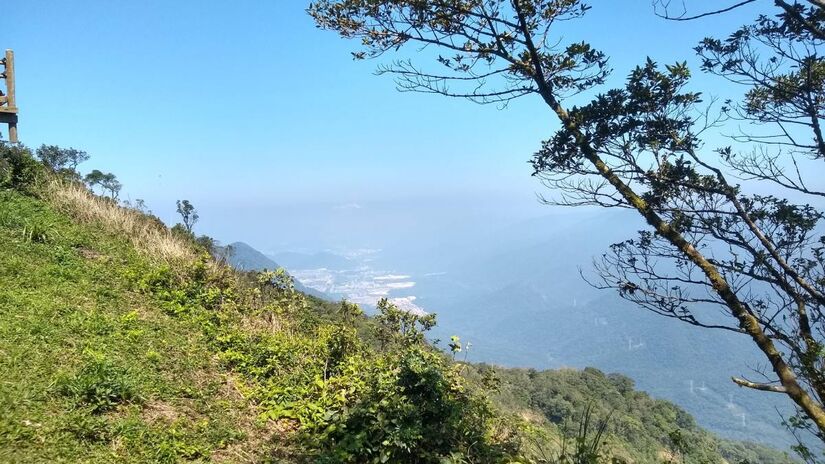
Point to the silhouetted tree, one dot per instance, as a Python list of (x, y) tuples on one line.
[(188, 214)]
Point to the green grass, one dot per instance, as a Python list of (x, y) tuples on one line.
[(92, 370)]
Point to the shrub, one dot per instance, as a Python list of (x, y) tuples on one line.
[(179, 230), (99, 385), (403, 407), (18, 168)]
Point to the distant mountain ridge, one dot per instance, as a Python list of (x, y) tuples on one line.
[(244, 257)]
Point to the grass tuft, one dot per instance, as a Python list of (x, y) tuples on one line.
[(100, 385), (37, 232)]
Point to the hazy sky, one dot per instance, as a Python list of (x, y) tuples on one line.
[(248, 110)]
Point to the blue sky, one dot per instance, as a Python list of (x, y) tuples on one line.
[(246, 108)]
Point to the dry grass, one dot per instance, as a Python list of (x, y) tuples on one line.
[(155, 411), (147, 235), (532, 417)]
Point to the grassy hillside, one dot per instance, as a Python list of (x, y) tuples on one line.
[(92, 370), (122, 341)]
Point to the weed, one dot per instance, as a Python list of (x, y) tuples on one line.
[(99, 385), (37, 232)]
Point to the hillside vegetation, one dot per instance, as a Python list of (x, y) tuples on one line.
[(125, 341)]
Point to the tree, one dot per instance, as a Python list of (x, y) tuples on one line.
[(18, 168), (61, 159), (641, 147), (188, 214), (106, 181), (397, 326)]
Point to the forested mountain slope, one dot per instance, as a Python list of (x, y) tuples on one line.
[(533, 271)]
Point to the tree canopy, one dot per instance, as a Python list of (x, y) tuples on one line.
[(188, 214), (106, 181), (60, 159)]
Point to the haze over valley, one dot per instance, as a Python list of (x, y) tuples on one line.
[(512, 288)]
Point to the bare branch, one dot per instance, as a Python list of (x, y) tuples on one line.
[(684, 17), (759, 386)]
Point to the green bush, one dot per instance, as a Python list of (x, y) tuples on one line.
[(99, 385), (406, 407), (18, 168)]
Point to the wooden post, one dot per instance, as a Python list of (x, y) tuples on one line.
[(8, 104)]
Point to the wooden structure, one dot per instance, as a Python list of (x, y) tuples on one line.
[(8, 105)]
